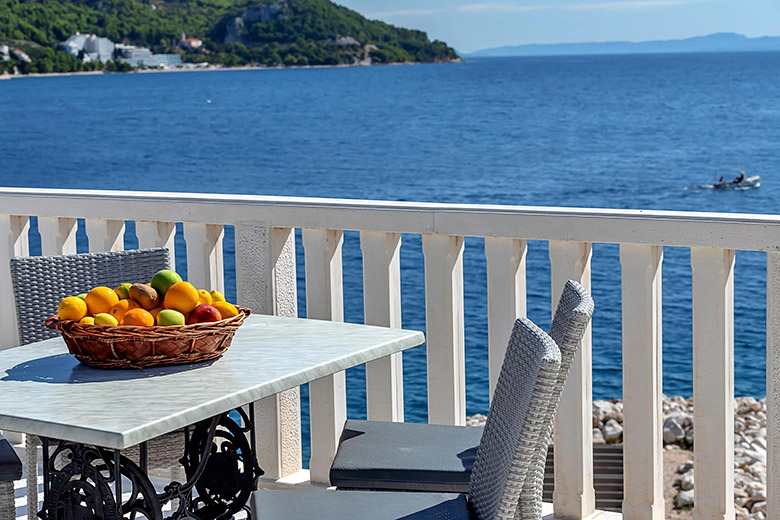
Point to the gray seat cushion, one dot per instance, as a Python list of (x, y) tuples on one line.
[(10, 465), (341, 505), (409, 456)]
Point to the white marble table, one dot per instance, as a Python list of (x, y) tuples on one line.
[(45, 391)]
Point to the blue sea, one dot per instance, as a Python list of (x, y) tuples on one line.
[(649, 132)]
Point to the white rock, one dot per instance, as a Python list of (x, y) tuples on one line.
[(673, 431), (598, 438), (612, 431), (758, 507), (686, 481), (684, 498)]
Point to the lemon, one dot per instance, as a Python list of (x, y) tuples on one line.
[(72, 308), (204, 296), (227, 310), (217, 296), (87, 320), (104, 318)]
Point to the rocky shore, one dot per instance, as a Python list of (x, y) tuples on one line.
[(749, 451)]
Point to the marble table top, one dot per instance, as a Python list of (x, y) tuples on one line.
[(45, 391)]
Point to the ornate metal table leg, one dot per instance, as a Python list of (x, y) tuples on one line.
[(79, 487), (220, 464)]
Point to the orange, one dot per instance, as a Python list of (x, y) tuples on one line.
[(100, 300), (227, 310), (154, 312), (139, 317), (72, 308), (122, 306), (182, 296), (204, 296)]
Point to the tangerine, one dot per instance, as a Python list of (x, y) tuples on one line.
[(140, 317), (182, 296), (122, 306), (72, 308), (100, 300)]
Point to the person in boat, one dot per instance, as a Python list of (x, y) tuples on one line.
[(720, 181), (740, 178)]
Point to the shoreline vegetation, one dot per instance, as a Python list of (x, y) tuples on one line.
[(64, 36), (216, 68)]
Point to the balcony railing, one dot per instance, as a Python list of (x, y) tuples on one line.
[(266, 281)]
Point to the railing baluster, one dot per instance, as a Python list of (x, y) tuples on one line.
[(713, 382), (157, 234), (106, 235), (506, 297), (642, 382), (204, 255), (444, 329), (574, 496), (382, 306), (773, 385), (58, 235), (324, 301), (14, 243), (266, 283)]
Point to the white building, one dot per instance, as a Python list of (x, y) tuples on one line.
[(4, 53), (143, 57), (21, 55), (94, 48)]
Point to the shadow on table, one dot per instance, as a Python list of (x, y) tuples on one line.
[(64, 369)]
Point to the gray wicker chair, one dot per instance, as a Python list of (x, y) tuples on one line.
[(10, 470), (40, 282), (421, 457), (508, 449)]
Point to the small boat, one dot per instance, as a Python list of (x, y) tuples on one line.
[(747, 183)]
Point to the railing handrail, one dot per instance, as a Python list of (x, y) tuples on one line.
[(596, 225)]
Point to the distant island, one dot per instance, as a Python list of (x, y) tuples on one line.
[(719, 42), (45, 36)]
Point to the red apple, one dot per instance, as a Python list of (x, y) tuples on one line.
[(204, 313)]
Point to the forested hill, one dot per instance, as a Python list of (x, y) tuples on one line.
[(234, 32)]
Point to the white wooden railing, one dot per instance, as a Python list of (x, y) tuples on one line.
[(265, 259)]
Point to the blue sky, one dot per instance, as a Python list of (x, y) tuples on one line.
[(470, 25)]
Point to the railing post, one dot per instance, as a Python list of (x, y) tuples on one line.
[(506, 297), (642, 382), (324, 301), (58, 235), (574, 496), (773, 384), (157, 234), (382, 306), (713, 382), (266, 283), (204, 255), (14, 242), (106, 235), (444, 329)]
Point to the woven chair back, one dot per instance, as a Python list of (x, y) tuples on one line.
[(40, 282), (518, 411)]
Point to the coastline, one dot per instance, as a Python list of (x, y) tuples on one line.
[(220, 68)]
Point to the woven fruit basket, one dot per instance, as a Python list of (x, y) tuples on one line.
[(138, 347)]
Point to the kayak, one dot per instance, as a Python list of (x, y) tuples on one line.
[(746, 184)]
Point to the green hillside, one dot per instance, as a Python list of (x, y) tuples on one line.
[(234, 32)]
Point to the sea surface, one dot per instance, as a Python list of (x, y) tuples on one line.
[(648, 132)]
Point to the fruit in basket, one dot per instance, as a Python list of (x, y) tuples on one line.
[(182, 296), (164, 280), (123, 291), (204, 313), (154, 312), (83, 296), (100, 300), (204, 296), (138, 317), (119, 310), (217, 296), (87, 320), (104, 318), (145, 296), (72, 308), (226, 310), (169, 317)]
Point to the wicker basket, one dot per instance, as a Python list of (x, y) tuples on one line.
[(103, 346)]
